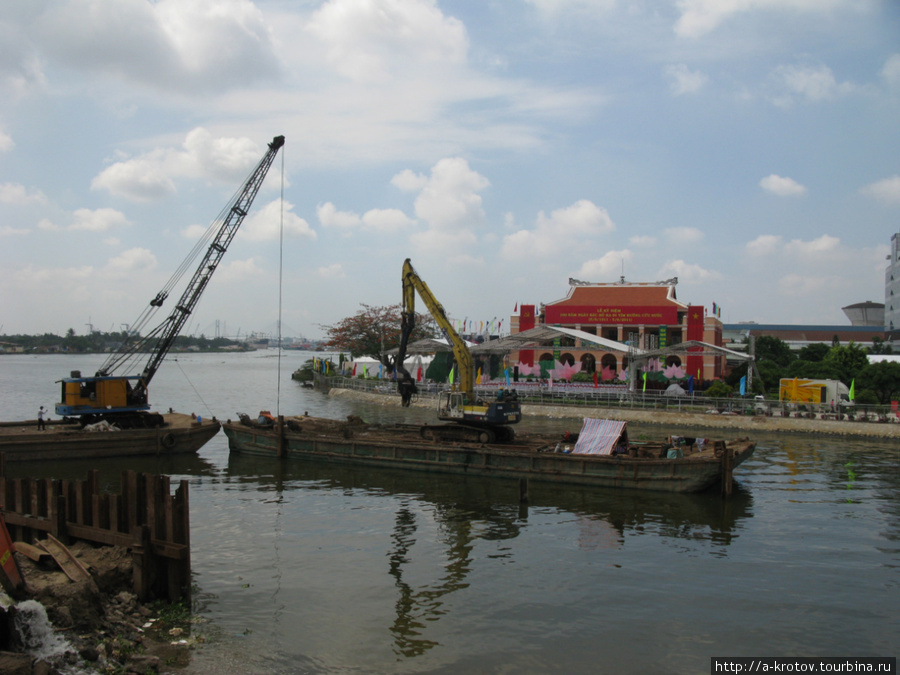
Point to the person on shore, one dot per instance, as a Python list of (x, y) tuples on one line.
[(41, 424)]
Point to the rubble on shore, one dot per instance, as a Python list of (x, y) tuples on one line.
[(98, 625)]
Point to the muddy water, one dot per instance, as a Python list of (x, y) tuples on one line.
[(301, 568)]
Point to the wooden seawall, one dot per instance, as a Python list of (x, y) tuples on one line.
[(144, 517)]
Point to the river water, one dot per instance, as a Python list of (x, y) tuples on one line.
[(303, 568)]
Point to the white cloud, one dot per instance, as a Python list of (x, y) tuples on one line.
[(559, 6), (605, 269), (769, 244), (810, 83), (764, 245), (683, 80), (687, 273), (683, 235), (6, 142), (98, 220), (265, 223), (643, 240), (14, 193), (141, 180), (699, 17), (149, 177), (581, 222), (450, 197), (886, 190), (335, 271), (386, 220), (891, 71), (9, 231), (329, 216), (237, 271), (129, 264), (782, 186), (367, 40), (193, 46)]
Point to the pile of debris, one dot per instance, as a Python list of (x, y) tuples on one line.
[(71, 622)]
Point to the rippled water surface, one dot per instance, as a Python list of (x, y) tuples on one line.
[(305, 568)]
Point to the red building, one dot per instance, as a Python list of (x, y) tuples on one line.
[(646, 316)]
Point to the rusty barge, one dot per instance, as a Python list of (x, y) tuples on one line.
[(179, 434), (673, 465)]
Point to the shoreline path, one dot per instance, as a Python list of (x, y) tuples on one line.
[(752, 423)]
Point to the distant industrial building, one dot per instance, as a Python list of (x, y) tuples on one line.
[(892, 295)]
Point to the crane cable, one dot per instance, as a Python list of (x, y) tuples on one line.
[(280, 287)]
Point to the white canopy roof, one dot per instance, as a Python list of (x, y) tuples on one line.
[(543, 336)]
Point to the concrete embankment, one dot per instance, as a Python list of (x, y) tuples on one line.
[(742, 423)]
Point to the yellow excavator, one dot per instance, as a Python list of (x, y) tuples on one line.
[(474, 419)]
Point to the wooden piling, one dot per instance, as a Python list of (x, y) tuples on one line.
[(145, 518)]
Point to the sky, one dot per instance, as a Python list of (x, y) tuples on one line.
[(750, 148)]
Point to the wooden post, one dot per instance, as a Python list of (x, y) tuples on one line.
[(279, 426), (727, 471), (523, 490), (140, 561)]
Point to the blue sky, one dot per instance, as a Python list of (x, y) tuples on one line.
[(749, 147)]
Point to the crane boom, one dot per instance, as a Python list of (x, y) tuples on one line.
[(106, 395)]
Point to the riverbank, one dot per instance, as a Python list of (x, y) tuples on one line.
[(742, 423)]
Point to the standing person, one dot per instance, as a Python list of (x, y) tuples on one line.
[(41, 424)]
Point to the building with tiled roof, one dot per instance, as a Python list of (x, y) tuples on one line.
[(646, 316)]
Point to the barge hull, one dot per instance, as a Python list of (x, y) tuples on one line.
[(20, 441), (692, 474)]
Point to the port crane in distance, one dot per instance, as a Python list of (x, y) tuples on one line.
[(474, 419), (123, 399)]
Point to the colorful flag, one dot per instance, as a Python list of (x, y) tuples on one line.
[(595, 379), (506, 372), (450, 379), (419, 375), (852, 389), (744, 385), (645, 381), (478, 377)]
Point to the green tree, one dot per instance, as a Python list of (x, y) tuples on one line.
[(718, 389), (372, 331), (814, 352), (882, 378), (847, 361), (770, 348), (879, 347)]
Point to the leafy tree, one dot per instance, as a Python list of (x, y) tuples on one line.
[(813, 370), (718, 389), (879, 347), (847, 361), (771, 374), (770, 348), (882, 378), (814, 352), (372, 331)]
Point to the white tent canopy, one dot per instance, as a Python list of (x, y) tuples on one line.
[(544, 336)]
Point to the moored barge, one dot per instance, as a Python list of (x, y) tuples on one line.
[(645, 466)]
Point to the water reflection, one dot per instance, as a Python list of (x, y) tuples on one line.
[(439, 522)]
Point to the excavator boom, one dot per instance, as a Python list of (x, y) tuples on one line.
[(476, 420)]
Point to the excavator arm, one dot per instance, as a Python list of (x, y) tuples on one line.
[(412, 284)]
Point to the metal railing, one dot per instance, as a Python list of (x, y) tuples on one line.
[(618, 397)]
